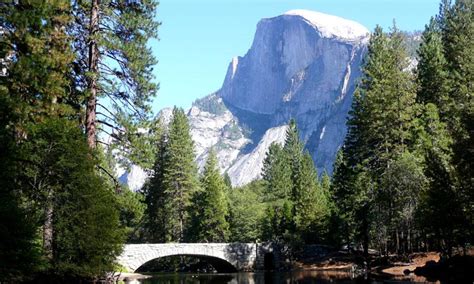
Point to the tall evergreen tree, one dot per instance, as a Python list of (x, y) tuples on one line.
[(114, 68), (431, 68), (55, 189), (293, 148), (310, 203), (246, 213), (341, 197), (33, 40), (180, 175), (380, 128), (83, 238), (19, 250), (155, 199), (458, 37), (296, 204), (277, 174), (445, 73), (35, 54), (210, 214)]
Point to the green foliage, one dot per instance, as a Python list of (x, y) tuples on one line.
[(431, 70), (113, 70), (310, 203), (210, 206), (169, 192), (458, 38), (49, 184), (33, 41), (61, 179), (19, 252), (443, 219), (276, 173), (180, 179), (246, 209), (142, 138), (404, 178), (131, 211), (398, 203), (446, 81), (56, 197), (381, 127), (297, 206)]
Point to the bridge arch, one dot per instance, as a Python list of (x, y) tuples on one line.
[(220, 265), (239, 256)]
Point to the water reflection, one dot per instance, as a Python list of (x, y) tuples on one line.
[(322, 277)]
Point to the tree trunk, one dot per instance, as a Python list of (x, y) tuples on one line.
[(92, 85), (365, 228), (409, 248), (397, 239), (48, 229)]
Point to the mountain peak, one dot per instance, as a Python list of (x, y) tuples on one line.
[(331, 26)]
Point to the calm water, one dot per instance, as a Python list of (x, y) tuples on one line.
[(273, 277)]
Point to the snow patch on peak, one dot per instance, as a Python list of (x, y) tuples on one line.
[(332, 26)]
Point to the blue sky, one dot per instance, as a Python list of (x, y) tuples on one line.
[(198, 38)]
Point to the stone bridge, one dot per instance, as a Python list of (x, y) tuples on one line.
[(224, 257)]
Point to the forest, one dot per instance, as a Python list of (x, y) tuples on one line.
[(76, 86)]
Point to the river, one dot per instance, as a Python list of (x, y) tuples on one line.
[(268, 277)]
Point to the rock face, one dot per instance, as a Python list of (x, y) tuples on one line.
[(302, 65), (246, 167)]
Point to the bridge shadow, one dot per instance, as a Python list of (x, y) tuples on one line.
[(187, 263)]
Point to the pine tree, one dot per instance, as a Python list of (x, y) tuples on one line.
[(458, 38), (431, 69), (326, 183), (155, 198), (43, 93), (447, 138), (310, 203), (19, 250), (180, 180), (296, 204), (277, 174), (380, 128), (211, 210), (35, 53), (246, 213), (341, 198), (293, 148), (360, 150), (84, 236), (34, 40), (114, 67)]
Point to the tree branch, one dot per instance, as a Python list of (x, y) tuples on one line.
[(117, 184)]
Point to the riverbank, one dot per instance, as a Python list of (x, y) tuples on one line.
[(417, 267), (399, 268)]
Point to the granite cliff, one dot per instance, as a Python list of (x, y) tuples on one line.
[(303, 65)]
